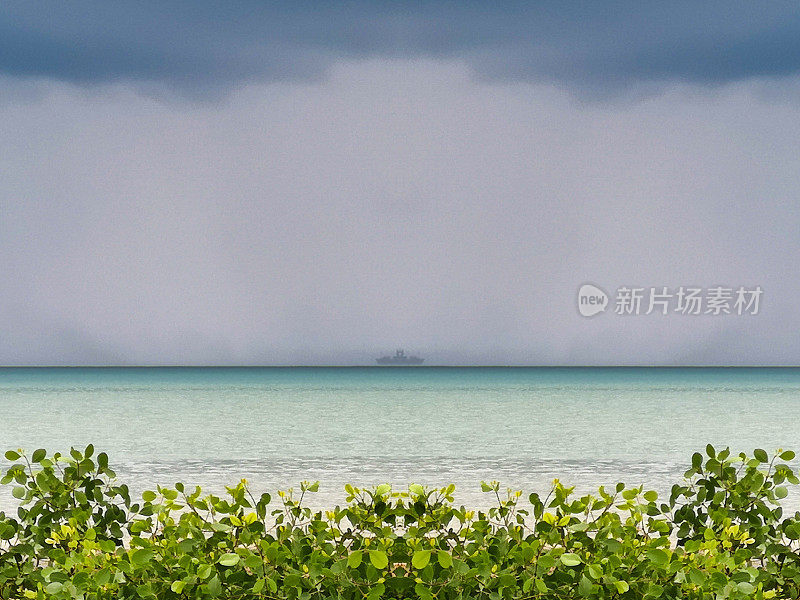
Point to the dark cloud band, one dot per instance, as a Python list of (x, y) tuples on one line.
[(576, 44)]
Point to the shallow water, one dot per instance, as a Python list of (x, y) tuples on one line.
[(521, 426)]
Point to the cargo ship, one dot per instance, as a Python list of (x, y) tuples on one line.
[(400, 359)]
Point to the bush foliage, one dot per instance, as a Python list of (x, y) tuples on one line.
[(79, 534)]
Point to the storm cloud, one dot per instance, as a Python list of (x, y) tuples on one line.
[(346, 179), (589, 47)]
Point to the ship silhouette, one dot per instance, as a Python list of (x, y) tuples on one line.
[(399, 359)]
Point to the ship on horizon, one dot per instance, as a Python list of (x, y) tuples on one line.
[(400, 359)]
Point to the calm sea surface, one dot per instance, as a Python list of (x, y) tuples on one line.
[(278, 426)]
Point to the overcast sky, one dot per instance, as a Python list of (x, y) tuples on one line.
[(248, 183)]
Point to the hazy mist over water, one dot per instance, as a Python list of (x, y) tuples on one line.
[(278, 426)]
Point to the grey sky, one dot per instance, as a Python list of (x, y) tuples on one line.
[(296, 188)]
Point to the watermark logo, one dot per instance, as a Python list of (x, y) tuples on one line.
[(591, 300), (684, 300)]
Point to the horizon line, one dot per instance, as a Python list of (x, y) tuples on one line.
[(395, 367)]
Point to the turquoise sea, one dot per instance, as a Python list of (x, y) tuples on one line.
[(431, 425)]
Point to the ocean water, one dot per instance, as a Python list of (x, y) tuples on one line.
[(279, 426)]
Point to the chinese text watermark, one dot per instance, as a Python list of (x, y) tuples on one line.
[(683, 300)]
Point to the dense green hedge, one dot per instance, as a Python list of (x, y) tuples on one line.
[(79, 534)]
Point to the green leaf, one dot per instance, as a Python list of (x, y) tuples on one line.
[(103, 576), (11, 455), (658, 556), (148, 496), (38, 455), (421, 559), (506, 580), (423, 592), (746, 587), (204, 571), (18, 492), (761, 455), (585, 586), (142, 556), (55, 587), (376, 591), (378, 559), (354, 560), (622, 586), (229, 560), (651, 496), (697, 460), (527, 585), (177, 586), (445, 559), (788, 455), (697, 577), (214, 586), (781, 492), (416, 489), (595, 571), (570, 560), (292, 581)]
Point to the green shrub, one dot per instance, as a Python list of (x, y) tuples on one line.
[(79, 534)]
